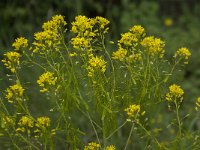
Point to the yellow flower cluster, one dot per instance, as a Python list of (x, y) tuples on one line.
[(133, 110), (20, 42), (111, 147), (132, 37), (102, 22), (175, 92), (57, 22), (45, 80), (134, 57), (168, 22), (80, 43), (86, 30), (83, 26), (92, 146), (43, 122), (25, 123), (50, 38), (8, 121), (14, 91), (197, 103), (120, 54), (11, 61), (154, 46), (96, 63), (183, 53), (127, 44)]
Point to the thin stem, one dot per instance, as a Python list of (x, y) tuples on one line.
[(116, 130), (178, 120), (129, 136)]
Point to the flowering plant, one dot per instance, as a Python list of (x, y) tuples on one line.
[(114, 92)]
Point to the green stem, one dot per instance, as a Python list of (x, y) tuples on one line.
[(129, 136)]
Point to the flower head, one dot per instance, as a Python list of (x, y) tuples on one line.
[(20, 42), (11, 61), (168, 22), (183, 53), (96, 64), (133, 111), (92, 146), (175, 92), (55, 23), (14, 91), (120, 54), (25, 123), (45, 80), (43, 122), (154, 46), (197, 103), (111, 147)]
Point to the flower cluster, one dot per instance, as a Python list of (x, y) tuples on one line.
[(92, 146), (45, 80), (175, 92), (183, 53), (168, 22), (25, 123), (120, 54), (86, 31), (20, 42), (57, 22), (80, 43), (42, 124), (154, 46), (197, 103), (50, 38), (8, 121), (14, 91), (133, 111), (111, 147), (11, 61), (127, 45), (96, 63)]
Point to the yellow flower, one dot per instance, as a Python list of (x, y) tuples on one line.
[(168, 22), (13, 92), (138, 30), (183, 53), (197, 104), (11, 61), (83, 26), (8, 121), (111, 147), (46, 40), (50, 38), (80, 43), (43, 122), (154, 46), (20, 42), (92, 146), (133, 110), (134, 57), (127, 39), (55, 23), (102, 22), (120, 54), (25, 123), (45, 80), (175, 92), (96, 63)]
